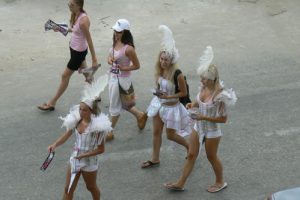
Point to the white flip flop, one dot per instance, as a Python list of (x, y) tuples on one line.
[(218, 189)]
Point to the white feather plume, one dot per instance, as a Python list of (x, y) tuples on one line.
[(92, 91), (71, 120), (205, 60), (168, 43)]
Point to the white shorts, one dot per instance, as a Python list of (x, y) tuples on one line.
[(90, 168), (115, 105), (85, 164), (208, 134)]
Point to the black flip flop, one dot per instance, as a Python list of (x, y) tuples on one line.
[(46, 107), (173, 187)]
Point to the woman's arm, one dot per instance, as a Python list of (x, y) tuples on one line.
[(62, 139), (221, 119), (85, 27), (131, 54), (110, 59), (182, 89), (99, 150), (192, 105)]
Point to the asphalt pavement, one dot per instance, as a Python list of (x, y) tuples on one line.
[(256, 45)]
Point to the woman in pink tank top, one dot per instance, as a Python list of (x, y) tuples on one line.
[(123, 59), (80, 41)]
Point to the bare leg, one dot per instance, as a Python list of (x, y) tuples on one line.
[(114, 120), (65, 78), (82, 66), (172, 135), (158, 126), (211, 147), (141, 117), (66, 195), (91, 183), (190, 161), (138, 114), (156, 140)]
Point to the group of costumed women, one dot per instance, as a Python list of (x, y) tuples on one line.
[(198, 119)]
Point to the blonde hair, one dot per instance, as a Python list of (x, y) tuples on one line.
[(158, 69), (212, 73)]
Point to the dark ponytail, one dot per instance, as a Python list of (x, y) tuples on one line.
[(127, 38)]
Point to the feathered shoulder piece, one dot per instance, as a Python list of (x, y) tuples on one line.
[(168, 43), (99, 123), (205, 60), (227, 96), (71, 120)]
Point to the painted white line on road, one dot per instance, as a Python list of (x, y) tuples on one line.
[(284, 132)]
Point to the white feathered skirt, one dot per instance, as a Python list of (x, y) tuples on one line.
[(174, 117)]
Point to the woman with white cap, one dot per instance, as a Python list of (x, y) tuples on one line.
[(165, 108), (123, 59), (86, 122), (211, 105)]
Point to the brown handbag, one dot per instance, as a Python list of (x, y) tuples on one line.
[(127, 96)]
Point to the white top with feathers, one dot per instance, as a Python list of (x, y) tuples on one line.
[(98, 123)]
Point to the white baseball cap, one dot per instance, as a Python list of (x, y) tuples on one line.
[(121, 25)]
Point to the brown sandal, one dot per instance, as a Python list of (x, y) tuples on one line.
[(142, 121)]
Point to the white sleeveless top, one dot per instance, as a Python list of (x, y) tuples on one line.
[(168, 87)]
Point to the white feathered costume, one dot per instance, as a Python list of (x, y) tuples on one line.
[(174, 117), (94, 134), (217, 106)]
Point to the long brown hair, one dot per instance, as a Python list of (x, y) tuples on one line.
[(126, 38), (79, 3)]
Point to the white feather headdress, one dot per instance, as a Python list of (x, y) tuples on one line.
[(168, 43), (205, 61), (92, 91)]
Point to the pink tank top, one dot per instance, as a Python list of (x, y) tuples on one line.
[(121, 59), (78, 41)]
